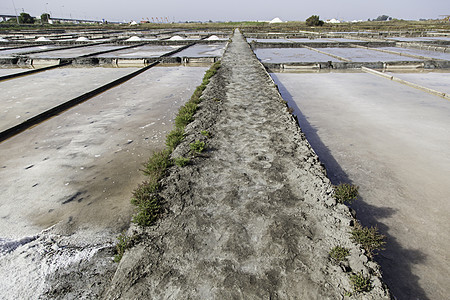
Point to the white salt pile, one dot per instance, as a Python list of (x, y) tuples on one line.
[(276, 20), (42, 39), (134, 39), (213, 38), (176, 38), (82, 39)]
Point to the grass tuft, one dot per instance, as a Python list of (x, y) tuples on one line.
[(345, 193), (360, 283), (369, 238), (206, 133), (181, 161), (339, 253), (158, 164), (122, 244), (197, 146), (174, 138)]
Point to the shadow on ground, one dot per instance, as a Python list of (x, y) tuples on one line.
[(396, 262)]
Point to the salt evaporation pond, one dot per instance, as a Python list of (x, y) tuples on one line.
[(13, 52), (78, 171), (269, 40), (365, 55), (93, 151), (393, 141), (426, 53), (25, 97), (439, 80), (283, 55), (211, 50), (74, 52), (141, 51)]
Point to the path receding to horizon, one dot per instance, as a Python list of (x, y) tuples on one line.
[(253, 217)]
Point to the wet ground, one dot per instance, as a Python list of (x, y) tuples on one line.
[(393, 141)]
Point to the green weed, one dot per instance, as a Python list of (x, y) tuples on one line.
[(345, 193), (369, 238), (206, 133), (148, 211), (198, 146), (174, 138), (158, 164), (122, 244), (181, 161), (339, 253), (360, 283)]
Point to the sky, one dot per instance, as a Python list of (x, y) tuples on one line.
[(229, 10)]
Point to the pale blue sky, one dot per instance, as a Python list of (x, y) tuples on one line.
[(229, 10)]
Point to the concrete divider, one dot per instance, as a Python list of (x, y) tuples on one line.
[(414, 85)]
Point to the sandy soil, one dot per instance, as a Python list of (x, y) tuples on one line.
[(253, 217)]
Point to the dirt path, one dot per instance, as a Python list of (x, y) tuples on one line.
[(253, 217)]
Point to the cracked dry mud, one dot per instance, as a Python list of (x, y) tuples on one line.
[(251, 218)]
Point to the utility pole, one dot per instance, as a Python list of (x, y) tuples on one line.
[(15, 11)]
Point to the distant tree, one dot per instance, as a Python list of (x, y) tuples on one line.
[(45, 17), (25, 18), (382, 18), (314, 21)]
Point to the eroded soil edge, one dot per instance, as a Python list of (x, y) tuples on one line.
[(253, 217)]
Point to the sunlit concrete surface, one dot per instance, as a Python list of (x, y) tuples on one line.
[(203, 50), (342, 40), (25, 97), (439, 81), (426, 53), (13, 52), (139, 52), (269, 40), (306, 40), (365, 55), (280, 55), (74, 52), (4, 72), (418, 39), (393, 141), (78, 169)]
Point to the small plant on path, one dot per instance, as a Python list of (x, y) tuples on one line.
[(197, 146), (181, 161), (369, 238), (339, 253), (206, 133), (345, 193), (360, 283), (122, 244)]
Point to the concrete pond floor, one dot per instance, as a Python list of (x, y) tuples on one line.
[(392, 141), (78, 170), (27, 96)]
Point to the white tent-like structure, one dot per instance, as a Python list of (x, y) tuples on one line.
[(276, 20)]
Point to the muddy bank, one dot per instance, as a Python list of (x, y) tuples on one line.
[(253, 216)]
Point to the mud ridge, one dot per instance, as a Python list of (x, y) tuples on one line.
[(253, 217)]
